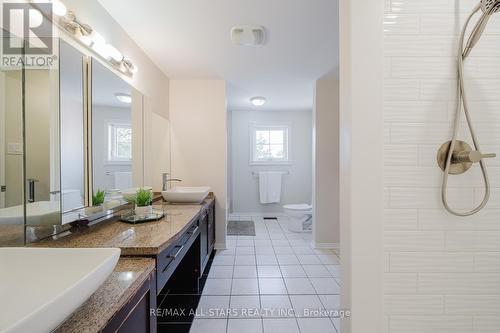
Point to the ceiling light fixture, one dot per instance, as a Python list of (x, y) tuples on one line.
[(124, 98), (258, 101)]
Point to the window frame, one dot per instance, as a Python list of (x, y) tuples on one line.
[(110, 128), (286, 127)]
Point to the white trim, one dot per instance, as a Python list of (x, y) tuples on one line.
[(220, 246), (113, 124), (2, 137), (361, 183), (237, 216), (327, 246)]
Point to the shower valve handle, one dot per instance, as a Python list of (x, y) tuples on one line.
[(470, 156)]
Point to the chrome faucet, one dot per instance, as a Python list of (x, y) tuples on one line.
[(166, 180)]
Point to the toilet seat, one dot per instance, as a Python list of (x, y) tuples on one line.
[(298, 207)]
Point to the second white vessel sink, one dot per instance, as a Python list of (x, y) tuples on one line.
[(40, 287), (38, 213), (186, 194)]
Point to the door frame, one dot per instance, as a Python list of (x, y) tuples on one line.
[(2, 139)]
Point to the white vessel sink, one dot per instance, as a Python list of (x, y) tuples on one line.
[(40, 287), (38, 213), (186, 194)]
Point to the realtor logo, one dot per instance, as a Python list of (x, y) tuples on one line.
[(27, 36), (26, 26)]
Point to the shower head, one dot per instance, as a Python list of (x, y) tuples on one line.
[(488, 7)]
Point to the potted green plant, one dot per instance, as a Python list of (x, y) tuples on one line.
[(143, 201), (97, 203), (98, 198)]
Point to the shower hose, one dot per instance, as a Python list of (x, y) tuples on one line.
[(462, 103)]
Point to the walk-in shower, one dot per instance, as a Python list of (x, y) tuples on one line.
[(455, 156)]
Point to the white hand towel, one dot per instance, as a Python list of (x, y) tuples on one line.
[(270, 187)]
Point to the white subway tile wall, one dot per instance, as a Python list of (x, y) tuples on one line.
[(442, 272)]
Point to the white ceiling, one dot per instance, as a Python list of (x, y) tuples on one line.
[(105, 84), (191, 39)]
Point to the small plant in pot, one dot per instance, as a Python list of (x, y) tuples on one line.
[(97, 202), (143, 201)]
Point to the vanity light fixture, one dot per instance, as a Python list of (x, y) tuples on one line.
[(124, 98), (258, 101), (89, 37)]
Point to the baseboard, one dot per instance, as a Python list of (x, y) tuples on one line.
[(220, 246), (245, 216), (327, 246)]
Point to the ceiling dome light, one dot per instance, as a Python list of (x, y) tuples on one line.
[(258, 101), (59, 8), (124, 98)]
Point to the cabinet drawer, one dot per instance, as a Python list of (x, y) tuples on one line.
[(168, 260)]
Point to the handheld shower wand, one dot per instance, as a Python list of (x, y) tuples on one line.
[(456, 157), (488, 7)]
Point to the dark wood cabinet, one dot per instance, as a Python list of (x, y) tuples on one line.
[(211, 228), (207, 225), (168, 260), (204, 240), (135, 316)]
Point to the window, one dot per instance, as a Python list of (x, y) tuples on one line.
[(270, 144), (119, 143)]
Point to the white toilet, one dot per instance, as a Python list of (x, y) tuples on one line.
[(299, 216)]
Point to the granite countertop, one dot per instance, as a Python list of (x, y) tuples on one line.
[(12, 235), (146, 239), (127, 277)]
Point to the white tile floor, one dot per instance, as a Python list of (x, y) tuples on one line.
[(272, 282)]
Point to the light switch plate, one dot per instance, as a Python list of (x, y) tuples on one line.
[(14, 148)]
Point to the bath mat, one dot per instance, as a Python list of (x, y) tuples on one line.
[(241, 228)]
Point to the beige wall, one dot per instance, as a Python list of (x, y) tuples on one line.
[(326, 163), (198, 119)]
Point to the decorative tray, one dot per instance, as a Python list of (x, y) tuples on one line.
[(130, 217)]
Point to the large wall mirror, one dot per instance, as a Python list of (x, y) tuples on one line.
[(29, 151), (117, 141), (11, 157), (65, 133), (72, 66)]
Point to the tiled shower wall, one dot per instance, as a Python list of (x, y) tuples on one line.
[(442, 272)]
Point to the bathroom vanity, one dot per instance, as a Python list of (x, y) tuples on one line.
[(177, 247)]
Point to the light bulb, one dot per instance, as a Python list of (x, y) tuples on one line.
[(59, 8), (86, 40), (113, 53)]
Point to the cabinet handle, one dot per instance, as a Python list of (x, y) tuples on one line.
[(176, 253)]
